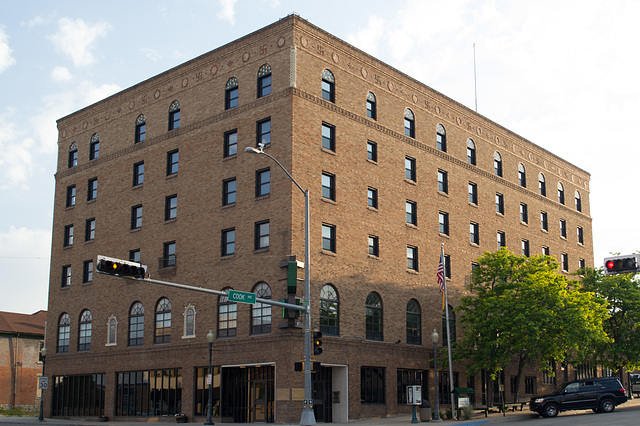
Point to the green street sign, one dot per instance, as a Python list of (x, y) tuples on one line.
[(242, 297)]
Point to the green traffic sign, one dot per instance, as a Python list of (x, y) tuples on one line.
[(242, 297)]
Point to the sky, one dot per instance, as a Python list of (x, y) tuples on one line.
[(561, 74)]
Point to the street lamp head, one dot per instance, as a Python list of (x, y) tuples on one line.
[(43, 351), (252, 150), (210, 336), (434, 336)]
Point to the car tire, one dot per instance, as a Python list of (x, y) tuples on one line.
[(550, 410), (607, 406)]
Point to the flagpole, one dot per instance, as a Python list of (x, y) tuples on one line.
[(446, 310)]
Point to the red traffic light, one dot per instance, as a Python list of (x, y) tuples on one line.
[(622, 264)]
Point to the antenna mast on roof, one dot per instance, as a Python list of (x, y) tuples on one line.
[(475, 85)]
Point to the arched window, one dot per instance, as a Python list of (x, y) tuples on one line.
[(141, 128), (409, 123), (560, 193), (73, 154), (112, 330), (64, 332), (471, 152), (497, 164), (452, 324), (231, 93), (522, 176), (578, 202), (373, 314), (174, 115), (372, 111), (414, 323), (94, 147), (163, 321), (227, 317), (441, 138), (542, 185), (329, 320), (260, 312), (136, 324), (264, 80), (189, 321), (328, 86), (84, 332)]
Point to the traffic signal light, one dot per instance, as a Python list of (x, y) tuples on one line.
[(317, 342), (622, 264), (120, 268)]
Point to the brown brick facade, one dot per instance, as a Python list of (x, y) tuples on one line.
[(297, 52)]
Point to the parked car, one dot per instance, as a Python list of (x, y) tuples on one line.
[(601, 395)]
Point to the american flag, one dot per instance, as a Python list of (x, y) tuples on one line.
[(441, 273)]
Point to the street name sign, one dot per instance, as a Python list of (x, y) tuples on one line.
[(242, 297)]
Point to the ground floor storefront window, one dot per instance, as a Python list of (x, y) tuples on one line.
[(201, 398), (149, 393), (80, 395)]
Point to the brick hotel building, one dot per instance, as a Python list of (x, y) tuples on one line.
[(158, 173)]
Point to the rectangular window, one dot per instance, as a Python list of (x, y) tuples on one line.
[(443, 221), (171, 207), (136, 217), (231, 97), (138, 173), (174, 118), (565, 262), (228, 241), (329, 237), (71, 196), (411, 209), (502, 239), (529, 385), (524, 213), (410, 168), (87, 274), (406, 377), (262, 235), (263, 182), (328, 186), (68, 235), (474, 232), (443, 181), (231, 143), (525, 248), (372, 197), (447, 273), (94, 150), (412, 258), (499, 203), (372, 385), (264, 85), (563, 228), (545, 250), (90, 230), (473, 193), (229, 191), (134, 255), (582, 264), (328, 137), (580, 235), (263, 132), (172, 162), (544, 221), (373, 246), (169, 254), (92, 189), (372, 151), (66, 276), (73, 158), (141, 132)]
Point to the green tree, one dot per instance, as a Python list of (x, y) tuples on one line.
[(521, 309), (621, 294)]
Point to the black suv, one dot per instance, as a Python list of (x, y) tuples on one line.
[(601, 395)]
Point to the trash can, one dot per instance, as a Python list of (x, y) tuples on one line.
[(425, 411)]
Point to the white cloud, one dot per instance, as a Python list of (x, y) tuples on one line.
[(151, 54), (61, 74), (6, 60), (34, 22), (75, 39), (227, 11), (16, 160), (24, 252), (369, 38)]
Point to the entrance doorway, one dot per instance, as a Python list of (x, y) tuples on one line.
[(322, 394), (247, 394)]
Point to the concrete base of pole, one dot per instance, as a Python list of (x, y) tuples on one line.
[(308, 418)]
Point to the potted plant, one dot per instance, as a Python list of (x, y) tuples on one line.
[(103, 418), (181, 418)]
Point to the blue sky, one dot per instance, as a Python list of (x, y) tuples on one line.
[(560, 73)]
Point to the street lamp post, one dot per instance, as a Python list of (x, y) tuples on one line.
[(434, 339), (43, 351), (308, 417), (210, 338)]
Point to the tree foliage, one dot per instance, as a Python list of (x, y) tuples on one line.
[(621, 294), (521, 309)]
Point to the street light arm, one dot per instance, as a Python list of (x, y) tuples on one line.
[(253, 150)]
